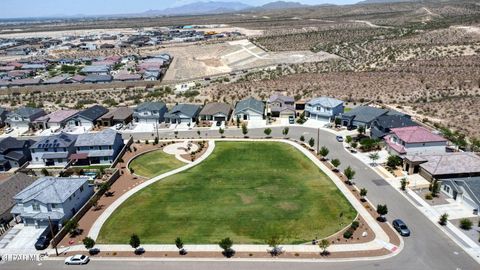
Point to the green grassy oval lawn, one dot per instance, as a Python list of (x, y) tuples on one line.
[(154, 163), (248, 191)]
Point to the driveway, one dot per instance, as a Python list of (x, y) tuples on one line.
[(312, 123), (257, 123), (20, 239)]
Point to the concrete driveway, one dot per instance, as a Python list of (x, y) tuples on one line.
[(257, 123), (20, 240)]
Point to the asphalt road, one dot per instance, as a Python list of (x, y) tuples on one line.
[(427, 248)]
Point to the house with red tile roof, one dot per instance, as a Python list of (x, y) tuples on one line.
[(414, 140)]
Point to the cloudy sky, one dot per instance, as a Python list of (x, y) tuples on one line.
[(41, 8)]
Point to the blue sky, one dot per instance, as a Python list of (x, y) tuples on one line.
[(40, 8)]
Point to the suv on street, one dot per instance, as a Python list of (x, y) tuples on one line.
[(401, 227)]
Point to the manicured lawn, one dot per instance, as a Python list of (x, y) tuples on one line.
[(248, 191), (154, 163)]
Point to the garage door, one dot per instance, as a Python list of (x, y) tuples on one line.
[(219, 118), (256, 117)]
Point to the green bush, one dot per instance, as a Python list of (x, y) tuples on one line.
[(348, 234), (355, 225), (466, 224), (429, 197)]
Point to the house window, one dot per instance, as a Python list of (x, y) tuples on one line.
[(36, 207), (110, 147)]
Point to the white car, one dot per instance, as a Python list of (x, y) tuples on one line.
[(77, 259), (8, 130), (118, 126)]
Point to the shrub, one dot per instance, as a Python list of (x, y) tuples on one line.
[(355, 225), (429, 197), (348, 234), (466, 224), (443, 219)]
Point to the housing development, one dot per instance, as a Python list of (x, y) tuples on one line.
[(233, 135)]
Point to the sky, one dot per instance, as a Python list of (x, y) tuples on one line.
[(43, 8)]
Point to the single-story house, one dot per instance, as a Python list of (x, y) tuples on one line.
[(120, 115), (54, 198), (281, 106), (216, 112), (97, 148), (465, 190), (383, 125), (98, 78), (150, 112), (183, 113), (13, 153), (414, 140), (97, 69), (53, 150), (250, 109), (122, 76), (55, 120), (9, 188), (362, 116), (23, 117), (62, 78), (88, 117), (323, 108)]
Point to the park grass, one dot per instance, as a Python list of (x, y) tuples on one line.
[(248, 191), (154, 163)]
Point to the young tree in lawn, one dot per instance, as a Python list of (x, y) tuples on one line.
[(335, 163), (179, 244), (134, 241), (244, 129), (382, 210), (88, 242), (324, 244), (324, 152), (285, 131), (350, 174), (374, 157), (267, 132), (363, 193), (226, 244), (311, 142)]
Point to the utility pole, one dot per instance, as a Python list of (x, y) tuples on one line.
[(318, 140), (53, 235)]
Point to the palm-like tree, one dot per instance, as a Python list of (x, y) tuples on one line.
[(374, 157)]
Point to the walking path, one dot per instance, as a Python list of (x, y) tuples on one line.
[(382, 240)]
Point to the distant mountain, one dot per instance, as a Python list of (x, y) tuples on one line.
[(385, 1), (198, 8), (282, 5)]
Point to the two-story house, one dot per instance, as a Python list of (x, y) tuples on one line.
[(88, 117), (97, 148), (23, 117), (323, 108), (183, 113), (57, 198), (53, 150), (250, 109), (150, 112), (13, 153), (281, 106), (414, 140)]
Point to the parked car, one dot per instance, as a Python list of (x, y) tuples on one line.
[(77, 259), (44, 239), (118, 126), (93, 251), (291, 120), (401, 227), (8, 130), (339, 139), (219, 123)]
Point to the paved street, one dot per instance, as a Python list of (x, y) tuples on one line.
[(427, 248)]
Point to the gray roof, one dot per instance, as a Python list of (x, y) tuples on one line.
[(11, 143), (282, 98), (216, 107), (95, 69), (104, 137), (120, 113), (449, 163), (190, 110), (93, 113), (98, 78), (57, 79), (27, 111), (471, 185), (150, 106), (51, 189), (250, 103), (10, 187), (326, 102), (395, 121), (365, 114), (55, 141)]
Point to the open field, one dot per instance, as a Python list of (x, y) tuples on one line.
[(246, 191), (154, 163)]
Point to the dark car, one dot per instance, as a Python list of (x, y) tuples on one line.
[(291, 120), (401, 227), (44, 239)]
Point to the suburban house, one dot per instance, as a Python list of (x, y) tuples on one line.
[(362, 116), (414, 140), (323, 108), (13, 153), (250, 109), (97, 69), (54, 198), (8, 188), (23, 117), (97, 148), (88, 117), (53, 150), (183, 113), (300, 106), (120, 115), (216, 112), (150, 112), (383, 125), (465, 190), (97, 78), (281, 106), (55, 120)]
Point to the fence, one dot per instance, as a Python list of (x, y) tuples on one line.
[(120, 155)]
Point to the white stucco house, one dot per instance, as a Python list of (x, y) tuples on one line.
[(250, 109)]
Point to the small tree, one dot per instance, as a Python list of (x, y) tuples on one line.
[(382, 210), (311, 142), (179, 244), (361, 130), (267, 132), (363, 193), (394, 161), (335, 163), (338, 121), (350, 174), (302, 138), (285, 131), (221, 131), (198, 133), (134, 241), (226, 244), (155, 141), (354, 145), (324, 152), (238, 121), (348, 139), (88, 242), (104, 187), (374, 157), (403, 184), (466, 224), (244, 129), (273, 242), (324, 244), (443, 219), (71, 226), (435, 188)]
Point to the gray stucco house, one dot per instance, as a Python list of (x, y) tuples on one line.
[(150, 112), (13, 153), (88, 117), (53, 150), (23, 117), (281, 106), (97, 148), (183, 113), (323, 108), (57, 198), (250, 109)]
